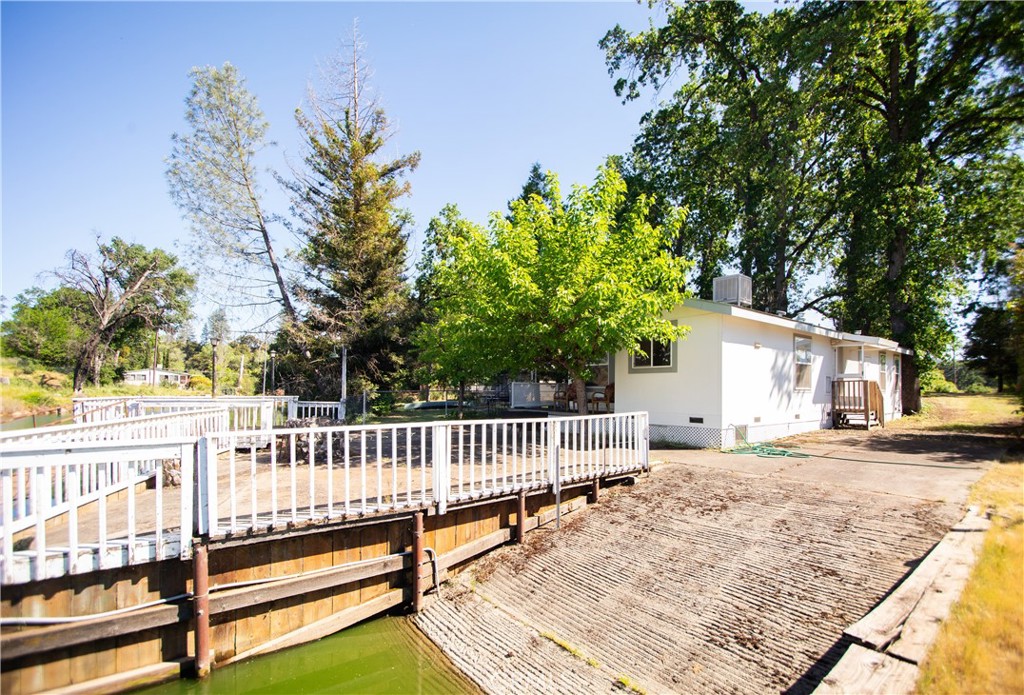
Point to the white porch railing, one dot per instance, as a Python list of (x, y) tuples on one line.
[(321, 473), (33, 499), (247, 412), (102, 530), (230, 482), (325, 409)]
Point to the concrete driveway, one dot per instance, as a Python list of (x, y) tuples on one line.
[(716, 573)]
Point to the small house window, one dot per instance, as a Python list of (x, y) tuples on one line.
[(598, 372), (802, 361), (658, 354)]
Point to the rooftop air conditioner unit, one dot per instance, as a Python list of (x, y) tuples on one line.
[(733, 289)]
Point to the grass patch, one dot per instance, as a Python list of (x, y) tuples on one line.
[(980, 648), (571, 649), (32, 388), (967, 413), (626, 683)]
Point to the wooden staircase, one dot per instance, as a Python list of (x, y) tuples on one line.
[(857, 403)]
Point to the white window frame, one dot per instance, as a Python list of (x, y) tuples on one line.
[(648, 347), (807, 363)]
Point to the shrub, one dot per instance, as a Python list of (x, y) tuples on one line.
[(201, 383), (934, 381), (979, 388)]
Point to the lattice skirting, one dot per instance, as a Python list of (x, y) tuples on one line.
[(728, 437), (685, 436)]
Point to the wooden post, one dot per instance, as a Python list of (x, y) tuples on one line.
[(521, 518), (595, 490), (866, 392), (417, 561), (201, 601)]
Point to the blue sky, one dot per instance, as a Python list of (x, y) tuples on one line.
[(91, 93)]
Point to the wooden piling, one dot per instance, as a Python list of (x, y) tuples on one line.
[(201, 601), (417, 561), (521, 518), (595, 491)]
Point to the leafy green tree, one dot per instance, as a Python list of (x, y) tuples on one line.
[(449, 349), (127, 288), (214, 180), (558, 285), (49, 326), (871, 140), (537, 183), (354, 238), (990, 345), (931, 101), (740, 144)]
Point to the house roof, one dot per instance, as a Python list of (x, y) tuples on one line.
[(842, 339)]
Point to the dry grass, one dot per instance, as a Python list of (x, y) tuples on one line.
[(992, 413), (981, 646)]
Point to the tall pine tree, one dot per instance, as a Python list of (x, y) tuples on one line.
[(353, 231)]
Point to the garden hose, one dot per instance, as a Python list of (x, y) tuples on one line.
[(764, 450)]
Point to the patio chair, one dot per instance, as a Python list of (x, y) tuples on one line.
[(606, 396), (564, 395)]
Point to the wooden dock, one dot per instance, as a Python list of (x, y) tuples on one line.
[(270, 539)]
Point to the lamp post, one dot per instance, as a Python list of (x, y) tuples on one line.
[(344, 379), (273, 374), (213, 383)]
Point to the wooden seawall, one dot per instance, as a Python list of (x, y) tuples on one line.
[(267, 592)]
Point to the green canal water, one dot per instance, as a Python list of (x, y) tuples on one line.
[(24, 423), (383, 656)]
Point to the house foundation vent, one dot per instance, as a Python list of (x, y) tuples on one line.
[(733, 289)]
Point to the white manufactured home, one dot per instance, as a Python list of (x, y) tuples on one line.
[(741, 374), (142, 377)]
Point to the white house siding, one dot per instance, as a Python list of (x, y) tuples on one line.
[(758, 383), (692, 391)]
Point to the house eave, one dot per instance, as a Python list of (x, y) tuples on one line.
[(841, 338)]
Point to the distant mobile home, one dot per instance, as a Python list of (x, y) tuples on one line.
[(142, 377), (745, 375)]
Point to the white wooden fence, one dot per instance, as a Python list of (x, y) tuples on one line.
[(34, 498), (292, 476), (247, 412), (100, 532)]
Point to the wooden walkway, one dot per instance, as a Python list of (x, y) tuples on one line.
[(697, 580)]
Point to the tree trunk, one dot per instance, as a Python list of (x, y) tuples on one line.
[(581, 394), (911, 386), (462, 398)]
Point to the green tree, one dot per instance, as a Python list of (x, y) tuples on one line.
[(990, 345), (931, 101), (449, 349), (128, 288), (217, 327), (214, 180), (537, 183), (558, 285), (354, 238), (49, 326), (740, 144)]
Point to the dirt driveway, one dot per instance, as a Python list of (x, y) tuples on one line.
[(716, 573)]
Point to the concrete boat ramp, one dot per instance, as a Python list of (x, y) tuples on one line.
[(715, 573)]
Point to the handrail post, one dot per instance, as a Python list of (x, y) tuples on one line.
[(190, 457), (442, 464), (554, 469)]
